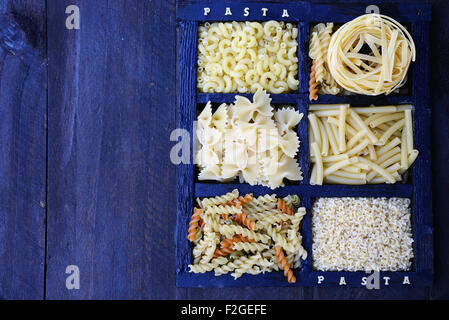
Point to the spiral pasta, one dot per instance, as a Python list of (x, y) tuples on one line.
[(240, 235), (317, 53), (285, 265), (194, 224), (226, 245), (284, 207), (313, 90), (219, 200), (321, 80), (205, 267), (250, 247), (223, 209), (242, 219), (244, 56)]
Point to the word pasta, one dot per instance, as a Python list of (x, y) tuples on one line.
[(246, 12)]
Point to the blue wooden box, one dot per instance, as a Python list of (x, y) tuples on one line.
[(416, 16)]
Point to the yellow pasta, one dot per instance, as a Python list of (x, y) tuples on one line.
[(318, 164), (360, 145), (409, 130), (241, 243), (315, 129), (331, 137), (318, 50), (341, 128), (245, 56), (404, 151), (324, 138), (381, 71)]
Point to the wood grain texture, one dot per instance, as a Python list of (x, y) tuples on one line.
[(439, 78), (111, 184), (22, 149)]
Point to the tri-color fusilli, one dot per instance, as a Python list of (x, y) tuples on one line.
[(246, 234)]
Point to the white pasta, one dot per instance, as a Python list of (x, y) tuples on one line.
[(243, 56), (220, 200), (249, 140), (261, 234), (384, 69), (346, 69), (361, 234), (363, 145), (318, 48)]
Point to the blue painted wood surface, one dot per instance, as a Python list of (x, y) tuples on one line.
[(22, 149), (111, 187), (111, 105)]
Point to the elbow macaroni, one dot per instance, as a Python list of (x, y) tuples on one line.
[(244, 56)]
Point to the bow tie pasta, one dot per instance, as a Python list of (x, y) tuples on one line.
[(249, 140)]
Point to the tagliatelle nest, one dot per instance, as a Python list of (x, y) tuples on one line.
[(384, 68)]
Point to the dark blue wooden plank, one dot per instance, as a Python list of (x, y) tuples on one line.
[(303, 49), (303, 134), (22, 149), (111, 185), (188, 31), (440, 151), (422, 177)]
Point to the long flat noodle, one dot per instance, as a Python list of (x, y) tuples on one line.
[(349, 44), (363, 57), (391, 52), (382, 71), (385, 60), (371, 42), (351, 65), (367, 67), (360, 44)]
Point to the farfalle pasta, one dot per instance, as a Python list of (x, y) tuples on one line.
[(256, 237), (245, 56), (249, 140)]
